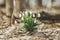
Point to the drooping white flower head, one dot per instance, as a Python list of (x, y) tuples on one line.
[(22, 18), (26, 12), (15, 22), (30, 12), (23, 14), (20, 15), (33, 15), (38, 15)]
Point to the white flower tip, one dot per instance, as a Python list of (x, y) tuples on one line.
[(22, 18), (26, 12), (15, 22), (39, 15), (19, 15), (30, 12)]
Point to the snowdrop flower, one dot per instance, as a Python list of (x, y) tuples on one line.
[(20, 15), (33, 15), (23, 14), (26, 12), (30, 12), (38, 15), (15, 22), (22, 18)]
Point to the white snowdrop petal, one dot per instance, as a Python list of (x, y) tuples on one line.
[(38, 15), (15, 22), (20, 15), (33, 15), (30, 12), (26, 12), (22, 18)]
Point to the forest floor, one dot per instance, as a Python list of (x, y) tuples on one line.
[(44, 31)]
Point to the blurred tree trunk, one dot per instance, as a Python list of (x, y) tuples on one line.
[(16, 9), (9, 11), (40, 3), (9, 7), (20, 5)]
